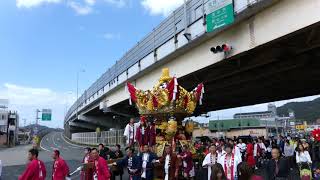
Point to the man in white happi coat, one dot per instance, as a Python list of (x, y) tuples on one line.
[(130, 132), (230, 162), (235, 148), (211, 159)]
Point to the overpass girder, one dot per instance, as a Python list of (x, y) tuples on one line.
[(83, 125)]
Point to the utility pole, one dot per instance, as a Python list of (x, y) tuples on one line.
[(277, 126), (37, 116), (37, 122), (241, 121), (219, 124), (24, 122), (77, 100)]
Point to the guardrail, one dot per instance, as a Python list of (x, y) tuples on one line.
[(166, 38), (109, 138)]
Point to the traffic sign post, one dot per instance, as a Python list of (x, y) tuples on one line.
[(46, 115), (219, 13)]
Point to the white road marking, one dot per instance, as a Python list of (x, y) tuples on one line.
[(54, 142), (42, 146)]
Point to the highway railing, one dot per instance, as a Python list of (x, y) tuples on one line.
[(109, 138)]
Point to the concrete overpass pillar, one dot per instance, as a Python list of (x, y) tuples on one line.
[(67, 130), (83, 125)]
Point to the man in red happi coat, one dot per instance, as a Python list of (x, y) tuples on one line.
[(143, 133), (249, 154), (187, 162), (60, 169), (35, 169), (101, 170), (152, 135), (87, 171)]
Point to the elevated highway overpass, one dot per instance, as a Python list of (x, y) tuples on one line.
[(275, 56)]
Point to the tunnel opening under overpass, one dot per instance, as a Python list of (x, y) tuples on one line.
[(104, 118), (285, 68)]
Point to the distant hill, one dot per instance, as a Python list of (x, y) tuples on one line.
[(308, 110)]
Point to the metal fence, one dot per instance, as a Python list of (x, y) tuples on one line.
[(109, 138)]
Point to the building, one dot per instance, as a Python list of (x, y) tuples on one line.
[(9, 123), (240, 127), (261, 123), (269, 115), (200, 125), (3, 125), (13, 124), (265, 115)]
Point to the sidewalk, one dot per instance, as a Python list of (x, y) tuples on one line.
[(14, 156), (3, 147)]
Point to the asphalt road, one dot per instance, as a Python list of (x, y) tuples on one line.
[(55, 140)]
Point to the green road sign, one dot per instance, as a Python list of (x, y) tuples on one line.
[(219, 13), (46, 115)]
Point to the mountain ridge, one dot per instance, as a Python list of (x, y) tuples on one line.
[(306, 111)]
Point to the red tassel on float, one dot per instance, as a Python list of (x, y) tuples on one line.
[(155, 101), (132, 92)]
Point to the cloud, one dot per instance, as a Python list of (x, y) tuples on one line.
[(118, 3), (86, 7), (161, 7), (27, 99), (81, 9), (22, 95), (90, 2), (110, 36), (34, 3)]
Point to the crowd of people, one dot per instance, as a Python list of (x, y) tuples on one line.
[(237, 158), (273, 158), (224, 159)]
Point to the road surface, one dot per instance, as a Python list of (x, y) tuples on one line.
[(14, 159)]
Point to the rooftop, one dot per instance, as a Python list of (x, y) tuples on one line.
[(253, 113)]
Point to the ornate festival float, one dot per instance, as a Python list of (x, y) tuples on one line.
[(167, 104)]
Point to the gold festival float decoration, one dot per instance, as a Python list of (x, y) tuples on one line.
[(166, 97), (189, 127), (168, 104)]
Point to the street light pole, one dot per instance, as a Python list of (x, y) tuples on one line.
[(77, 101), (37, 116)]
